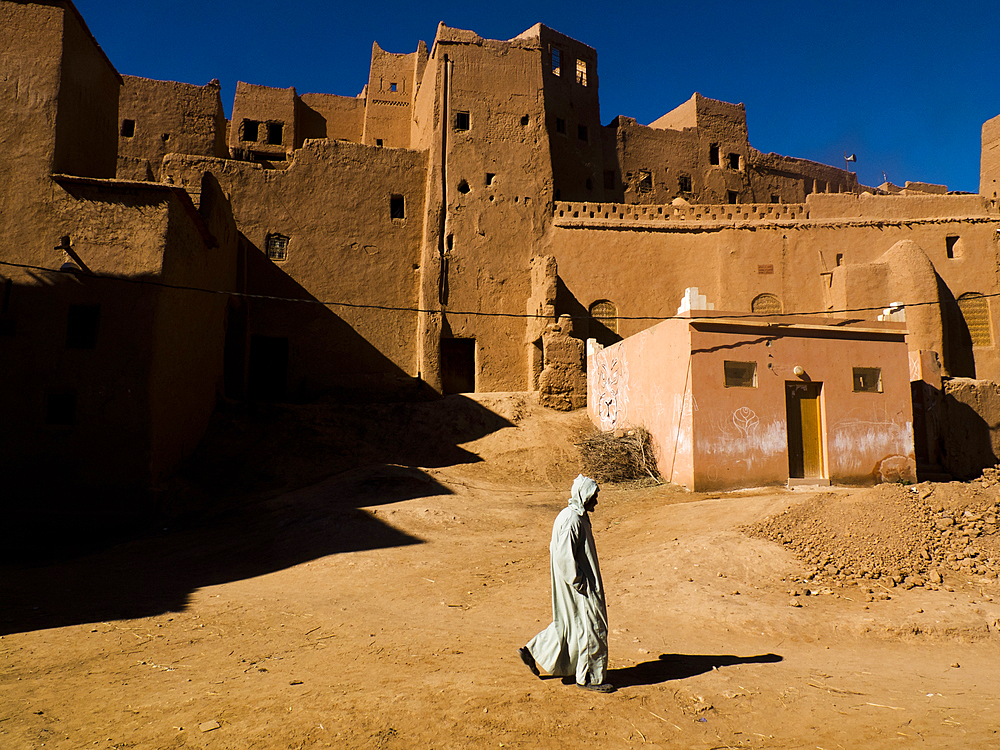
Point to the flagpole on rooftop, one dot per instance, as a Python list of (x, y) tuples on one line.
[(852, 157)]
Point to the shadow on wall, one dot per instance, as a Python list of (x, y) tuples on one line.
[(249, 534), (970, 427), (297, 351), (959, 360), (584, 326)]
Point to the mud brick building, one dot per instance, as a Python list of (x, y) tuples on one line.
[(419, 226)]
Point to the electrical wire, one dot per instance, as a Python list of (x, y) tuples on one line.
[(476, 313)]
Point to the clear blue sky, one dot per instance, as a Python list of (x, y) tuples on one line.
[(904, 85)]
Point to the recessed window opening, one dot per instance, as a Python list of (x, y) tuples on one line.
[(775, 198), (605, 312), (609, 179), (713, 154), (581, 132), (734, 161), (274, 133), (250, 131), (560, 125), (684, 183), (952, 248), (462, 121), (820, 186), (378, 142), (867, 379), (732, 197), (581, 72), (489, 178), (840, 259), (463, 187), (556, 61), (392, 87), (644, 182), (276, 246), (397, 208), (740, 374), (60, 409), (128, 128), (81, 326), (525, 120)]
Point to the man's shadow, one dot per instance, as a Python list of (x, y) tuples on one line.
[(679, 666)]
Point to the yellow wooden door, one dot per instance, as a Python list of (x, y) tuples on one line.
[(805, 429)]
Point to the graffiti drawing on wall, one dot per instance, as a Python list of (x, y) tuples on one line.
[(746, 421), (751, 443), (611, 381)]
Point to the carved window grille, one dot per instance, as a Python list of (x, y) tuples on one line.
[(766, 304), (606, 313), (976, 312), (277, 247)]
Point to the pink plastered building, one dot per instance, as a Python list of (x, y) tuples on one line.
[(735, 401)]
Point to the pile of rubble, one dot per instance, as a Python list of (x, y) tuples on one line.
[(893, 535)]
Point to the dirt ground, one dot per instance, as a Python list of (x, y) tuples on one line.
[(382, 606)]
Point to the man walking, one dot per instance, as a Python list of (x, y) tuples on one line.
[(576, 643)]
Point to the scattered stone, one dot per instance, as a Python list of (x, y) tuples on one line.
[(208, 726)]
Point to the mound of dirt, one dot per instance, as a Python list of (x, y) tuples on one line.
[(913, 536)]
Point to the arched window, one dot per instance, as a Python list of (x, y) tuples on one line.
[(976, 312), (766, 304), (606, 313)]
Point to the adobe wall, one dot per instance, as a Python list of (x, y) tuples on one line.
[(482, 192), (263, 123), (989, 164), (332, 202), (87, 116), (340, 118), (643, 261), (157, 118), (392, 83)]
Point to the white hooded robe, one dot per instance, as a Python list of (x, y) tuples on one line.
[(576, 643)]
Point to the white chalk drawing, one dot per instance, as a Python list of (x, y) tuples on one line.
[(914, 368), (865, 437), (611, 385), (745, 420)]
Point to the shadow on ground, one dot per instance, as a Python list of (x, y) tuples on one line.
[(69, 573), (679, 666)]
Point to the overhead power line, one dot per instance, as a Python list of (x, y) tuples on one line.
[(477, 313)]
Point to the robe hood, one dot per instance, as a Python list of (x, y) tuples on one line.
[(584, 488)]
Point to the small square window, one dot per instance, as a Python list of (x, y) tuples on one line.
[(581, 72), (713, 154), (733, 197), (251, 131), (556, 61), (60, 409), (128, 128), (775, 198), (462, 121), (81, 326), (277, 247), (378, 142), (392, 87), (684, 183), (734, 161), (489, 178), (274, 133), (741, 374), (560, 125), (867, 379), (581, 132), (397, 208)]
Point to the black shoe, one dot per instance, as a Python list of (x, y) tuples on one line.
[(529, 660), (601, 687)]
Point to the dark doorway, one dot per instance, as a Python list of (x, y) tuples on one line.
[(268, 370), (805, 430), (458, 365)]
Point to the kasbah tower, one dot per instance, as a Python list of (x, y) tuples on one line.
[(438, 226)]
